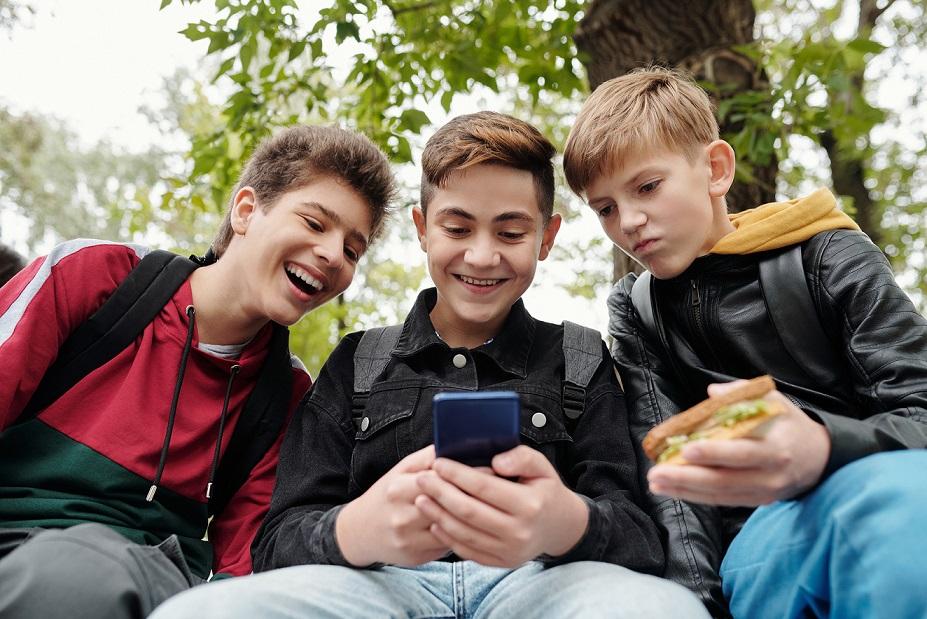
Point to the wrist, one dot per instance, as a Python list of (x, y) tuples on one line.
[(353, 549), (572, 525)]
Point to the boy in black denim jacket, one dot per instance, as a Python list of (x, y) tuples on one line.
[(359, 496)]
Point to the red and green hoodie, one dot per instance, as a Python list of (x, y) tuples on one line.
[(92, 455)]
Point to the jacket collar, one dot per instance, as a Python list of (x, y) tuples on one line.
[(509, 349)]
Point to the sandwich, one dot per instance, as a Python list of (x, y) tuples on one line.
[(740, 413)]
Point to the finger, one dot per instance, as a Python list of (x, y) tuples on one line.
[(465, 552), (403, 488), (719, 389), (738, 453), (462, 506), (462, 532), (497, 492), (420, 460), (711, 485), (522, 461)]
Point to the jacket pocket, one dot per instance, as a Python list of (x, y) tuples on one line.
[(382, 430), (542, 424)]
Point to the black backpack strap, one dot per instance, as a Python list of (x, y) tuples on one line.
[(370, 359), (113, 327), (262, 419), (789, 304), (582, 354)]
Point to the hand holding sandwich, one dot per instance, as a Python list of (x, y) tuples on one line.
[(747, 444)]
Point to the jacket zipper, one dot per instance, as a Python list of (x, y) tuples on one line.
[(697, 305)]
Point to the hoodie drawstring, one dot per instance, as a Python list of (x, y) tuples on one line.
[(191, 313), (225, 410)]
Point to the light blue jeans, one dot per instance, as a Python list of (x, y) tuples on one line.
[(462, 589), (854, 547)]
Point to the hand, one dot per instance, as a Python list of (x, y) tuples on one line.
[(498, 522), (383, 525), (788, 460)]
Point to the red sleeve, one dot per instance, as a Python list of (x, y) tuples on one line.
[(44, 303), (232, 531)]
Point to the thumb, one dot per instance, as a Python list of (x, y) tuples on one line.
[(523, 461), (420, 460), (718, 389)]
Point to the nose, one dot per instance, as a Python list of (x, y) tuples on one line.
[(482, 253), (631, 218), (330, 250)]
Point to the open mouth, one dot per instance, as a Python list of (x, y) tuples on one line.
[(302, 280), (481, 283)]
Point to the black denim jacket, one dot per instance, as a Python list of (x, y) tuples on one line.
[(327, 461)]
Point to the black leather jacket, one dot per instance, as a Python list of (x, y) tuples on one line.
[(876, 402)]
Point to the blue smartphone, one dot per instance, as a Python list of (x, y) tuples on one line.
[(472, 427)]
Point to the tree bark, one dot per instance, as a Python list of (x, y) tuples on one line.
[(616, 36)]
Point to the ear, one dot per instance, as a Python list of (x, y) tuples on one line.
[(418, 216), (721, 161), (243, 206), (550, 233)]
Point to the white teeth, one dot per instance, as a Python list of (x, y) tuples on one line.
[(479, 282), (301, 274)]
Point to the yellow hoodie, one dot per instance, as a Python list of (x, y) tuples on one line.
[(780, 224)]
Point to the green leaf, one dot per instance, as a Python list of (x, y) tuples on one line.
[(866, 46), (345, 29), (164, 3), (224, 68), (414, 120)]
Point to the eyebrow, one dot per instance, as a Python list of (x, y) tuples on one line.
[(456, 211), (353, 233)]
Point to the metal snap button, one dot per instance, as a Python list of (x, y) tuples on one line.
[(459, 360), (365, 423), (539, 420)]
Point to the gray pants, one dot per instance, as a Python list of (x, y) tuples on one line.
[(86, 571)]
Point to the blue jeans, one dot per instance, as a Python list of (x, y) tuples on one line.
[(854, 547), (462, 589)]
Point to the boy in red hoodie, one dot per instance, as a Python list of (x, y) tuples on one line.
[(106, 492)]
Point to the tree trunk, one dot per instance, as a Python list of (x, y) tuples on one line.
[(616, 36), (847, 166)]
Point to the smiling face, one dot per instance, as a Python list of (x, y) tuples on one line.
[(300, 252), (484, 235), (664, 210)]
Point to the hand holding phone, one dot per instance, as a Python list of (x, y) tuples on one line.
[(472, 427)]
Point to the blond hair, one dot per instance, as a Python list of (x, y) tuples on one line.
[(489, 138), (644, 110)]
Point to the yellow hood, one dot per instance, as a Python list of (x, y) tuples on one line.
[(780, 224)]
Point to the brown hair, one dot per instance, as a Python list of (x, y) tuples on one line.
[(646, 109), (494, 138), (299, 155)]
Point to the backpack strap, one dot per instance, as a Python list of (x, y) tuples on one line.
[(370, 359), (582, 354), (261, 422), (113, 327), (789, 305)]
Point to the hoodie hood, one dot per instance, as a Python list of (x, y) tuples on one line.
[(781, 224)]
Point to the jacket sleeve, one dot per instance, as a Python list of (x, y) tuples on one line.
[(603, 471), (314, 472), (43, 304), (884, 341), (232, 531), (693, 533)]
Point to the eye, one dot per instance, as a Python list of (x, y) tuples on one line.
[(512, 235), (649, 187), (313, 224), (605, 211), (455, 230), (352, 254)]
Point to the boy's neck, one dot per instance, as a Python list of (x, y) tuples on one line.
[(220, 318), (458, 335)]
